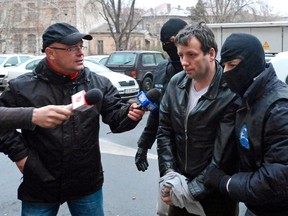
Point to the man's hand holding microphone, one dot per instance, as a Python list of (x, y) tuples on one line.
[(149, 102), (52, 115), (135, 113)]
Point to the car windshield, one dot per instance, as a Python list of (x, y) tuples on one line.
[(96, 67), (2, 59), (121, 59)]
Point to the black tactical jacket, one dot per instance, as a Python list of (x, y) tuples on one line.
[(262, 141), (164, 72)]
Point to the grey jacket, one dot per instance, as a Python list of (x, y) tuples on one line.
[(16, 117)]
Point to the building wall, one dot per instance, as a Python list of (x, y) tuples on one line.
[(21, 22), (272, 35), (138, 41)]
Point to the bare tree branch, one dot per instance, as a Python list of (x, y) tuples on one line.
[(121, 19)]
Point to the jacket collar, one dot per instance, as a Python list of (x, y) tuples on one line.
[(213, 89), (43, 71), (259, 85)]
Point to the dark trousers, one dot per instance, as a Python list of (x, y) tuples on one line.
[(214, 205)]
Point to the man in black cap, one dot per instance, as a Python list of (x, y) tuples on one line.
[(261, 130), (63, 164)]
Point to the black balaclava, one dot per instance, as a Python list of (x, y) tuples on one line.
[(249, 49), (169, 29)]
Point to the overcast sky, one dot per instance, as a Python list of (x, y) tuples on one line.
[(279, 6)]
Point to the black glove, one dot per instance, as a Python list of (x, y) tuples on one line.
[(141, 159), (216, 178), (197, 188)]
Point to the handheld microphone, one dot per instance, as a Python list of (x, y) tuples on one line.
[(149, 101), (82, 101)]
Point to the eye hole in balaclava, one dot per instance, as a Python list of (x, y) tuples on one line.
[(249, 49)]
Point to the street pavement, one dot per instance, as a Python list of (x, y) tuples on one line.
[(127, 192)]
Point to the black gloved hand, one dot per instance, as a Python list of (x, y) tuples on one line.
[(141, 159), (197, 188), (216, 178)]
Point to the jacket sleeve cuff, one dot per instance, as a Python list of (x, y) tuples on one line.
[(19, 156), (224, 184)]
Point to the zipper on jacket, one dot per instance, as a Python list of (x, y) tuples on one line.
[(186, 148), (186, 136)]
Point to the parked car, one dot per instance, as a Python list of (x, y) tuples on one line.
[(138, 64), (102, 59), (127, 86), (22, 68), (280, 64), (269, 56), (10, 60)]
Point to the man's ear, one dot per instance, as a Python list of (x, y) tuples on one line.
[(49, 53), (212, 54)]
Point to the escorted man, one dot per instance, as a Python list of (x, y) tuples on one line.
[(63, 164), (194, 111)]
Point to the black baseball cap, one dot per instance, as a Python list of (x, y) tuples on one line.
[(62, 33)]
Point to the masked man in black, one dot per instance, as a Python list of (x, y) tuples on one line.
[(261, 130), (162, 76)]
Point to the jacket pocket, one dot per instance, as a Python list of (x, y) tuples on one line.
[(34, 168)]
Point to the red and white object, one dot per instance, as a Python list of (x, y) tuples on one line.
[(79, 102)]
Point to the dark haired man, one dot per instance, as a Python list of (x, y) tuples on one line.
[(194, 111)]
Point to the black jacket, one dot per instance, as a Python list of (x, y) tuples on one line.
[(262, 141), (188, 148), (164, 72), (64, 162)]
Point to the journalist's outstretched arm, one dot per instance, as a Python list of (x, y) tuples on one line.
[(29, 117)]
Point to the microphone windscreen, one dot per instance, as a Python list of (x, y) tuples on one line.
[(93, 96), (154, 95)]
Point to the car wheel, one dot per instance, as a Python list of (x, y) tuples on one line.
[(147, 84)]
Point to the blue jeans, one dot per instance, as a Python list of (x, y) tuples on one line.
[(91, 205)]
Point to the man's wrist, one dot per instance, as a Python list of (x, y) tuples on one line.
[(223, 185), (142, 150)]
